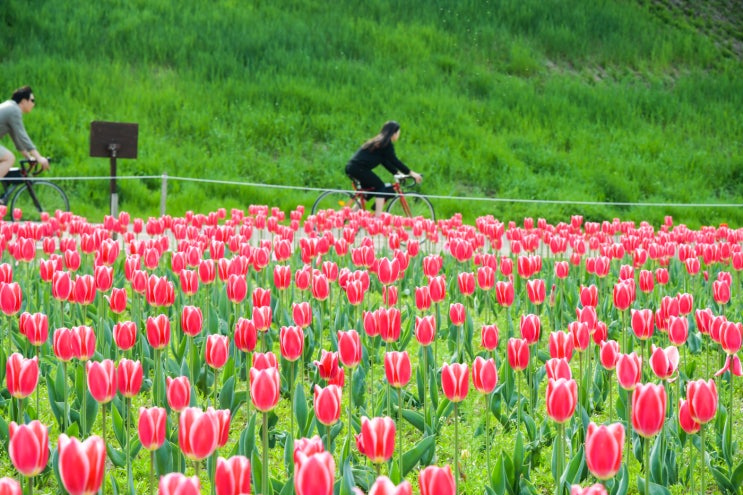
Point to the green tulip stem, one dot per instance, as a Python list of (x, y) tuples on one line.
[(158, 373), (691, 464), (30, 486), (647, 466), (192, 353), (83, 406), (266, 482), (216, 385), (518, 401), (425, 384), (291, 397), (128, 450), (399, 430), (152, 472), (350, 404), (36, 391), (488, 399), (611, 399), (103, 433), (64, 397), (456, 447)]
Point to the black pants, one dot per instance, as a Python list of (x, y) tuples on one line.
[(369, 181)]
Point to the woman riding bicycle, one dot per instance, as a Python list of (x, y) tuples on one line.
[(378, 150)]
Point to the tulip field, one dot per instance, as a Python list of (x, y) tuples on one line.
[(270, 352)]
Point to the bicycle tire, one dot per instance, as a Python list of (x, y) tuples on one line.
[(335, 200), (419, 206), (50, 198)]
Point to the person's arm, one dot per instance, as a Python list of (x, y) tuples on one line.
[(394, 164), (23, 143), (36, 156)]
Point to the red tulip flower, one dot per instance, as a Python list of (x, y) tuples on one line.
[(687, 423), (102, 382), (646, 281), (604, 448), (425, 329), (232, 476), (349, 348), (664, 362), (648, 409), (678, 330), (530, 328), (158, 331), (307, 446), (721, 291), (432, 264), (265, 388), (291, 341), (62, 344), (262, 318), (504, 292), (246, 335), (423, 298), (217, 350), (84, 289), (388, 270), (125, 335), (264, 360), (455, 381), (609, 354), (327, 403), (485, 277), (103, 276), (558, 368), (589, 296), (35, 327), (315, 474), (207, 273), (61, 285), (320, 287), (179, 484), (457, 314), (21, 375), (377, 438), (223, 417), (192, 320), (327, 367), (178, 392), (189, 282), (261, 297), (198, 432), (237, 288), (302, 314), (536, 290), (9, 486), (484, 375), (629, 370), (282, 276), (397, 368), (562, 269), (117, 300), (466, 282), (384, 486), (129, 377), (562, 397), (437, 288), (11, 298), (702, 397), (81, 464), (642, 323), (623, 294), (28, 447), (489, 336), (151, 427), (355, 292), (731, 337), (561, 345), (595, 489), (518, 354), (434, 480)]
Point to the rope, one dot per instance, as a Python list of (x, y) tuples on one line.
[(429, 196)]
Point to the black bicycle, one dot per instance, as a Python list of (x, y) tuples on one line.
[(32, 196)]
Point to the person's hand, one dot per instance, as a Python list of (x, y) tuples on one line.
[(415, 175), (44, 163)]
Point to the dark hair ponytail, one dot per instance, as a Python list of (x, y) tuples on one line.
[(384, 137)]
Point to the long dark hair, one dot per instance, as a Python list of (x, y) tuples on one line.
[(382, 140)]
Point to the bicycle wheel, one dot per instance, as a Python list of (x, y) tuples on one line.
[(335, 200), (411, 205), (40, 197)]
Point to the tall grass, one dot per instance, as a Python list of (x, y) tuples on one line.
[(534, 100)]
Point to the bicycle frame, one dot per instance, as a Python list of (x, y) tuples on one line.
[(360, 194)]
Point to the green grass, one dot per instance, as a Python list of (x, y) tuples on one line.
[(608, 102)]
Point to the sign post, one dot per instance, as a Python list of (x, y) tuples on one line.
[(113, 140)]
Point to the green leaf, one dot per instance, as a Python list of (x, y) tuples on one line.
[(499, 478), (737, 478), (289, 453), (226, 395), (722, 481), (575, 468), (118, 426), (656, 463), (621, 481), (300, 407), (118, 457), (256, 467), (164, 457), (653, 488), (412, 456), (414, 418), (727, 444), (518, 455)]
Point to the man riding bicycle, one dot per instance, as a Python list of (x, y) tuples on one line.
[(11, 122), (378, 150)]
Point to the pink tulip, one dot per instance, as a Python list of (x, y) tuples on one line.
[(179, 484), (198, 433), (28, 447), (232, 476), (81, 464), (151, 427), (604, 446), (21, 375)]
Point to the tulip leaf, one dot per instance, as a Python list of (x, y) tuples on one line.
[(737, 478), (347, 482), (498, 477), (300, 407), (118, 426), (55, 405), (419, 379), (653, 488), (518, 454), (575, 468), (91, 410), (722, 481), (727, 443), (412, 456), (526, 487), (621, 481), (289, 453), (118, 457), (164, 457), (287, 488), (114, 484), (414, 418), (226, 395), (489, 491), (256, 468)]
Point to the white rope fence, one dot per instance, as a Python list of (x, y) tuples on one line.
[(165, 178)]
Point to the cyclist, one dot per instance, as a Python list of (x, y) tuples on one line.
[(378, 150), (11, 122)]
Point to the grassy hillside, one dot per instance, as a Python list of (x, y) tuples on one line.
[(548, 100)]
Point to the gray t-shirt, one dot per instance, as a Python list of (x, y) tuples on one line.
[(11, 122)]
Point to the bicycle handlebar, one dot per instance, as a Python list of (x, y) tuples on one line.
[(31, 165)]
